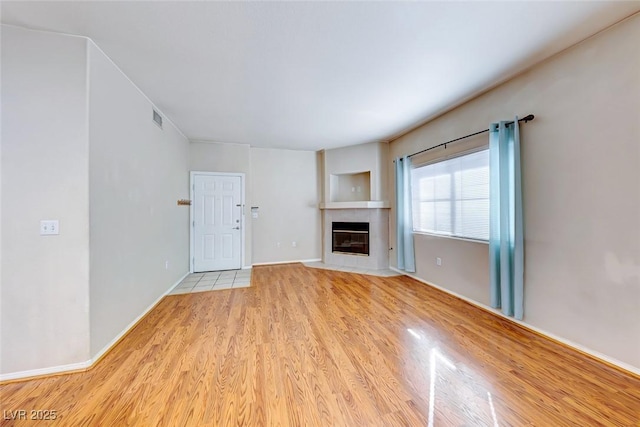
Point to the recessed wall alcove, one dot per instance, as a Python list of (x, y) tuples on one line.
[(350, 187)]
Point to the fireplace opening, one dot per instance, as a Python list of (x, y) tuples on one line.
[(350, 237)]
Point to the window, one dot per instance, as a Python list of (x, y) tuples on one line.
[(451, 197)]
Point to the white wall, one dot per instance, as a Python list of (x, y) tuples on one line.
[(45, 175), (1, 137), (284, 184), (580, 163), (137, 173), (285, 187), (227, 158), (79, 146)]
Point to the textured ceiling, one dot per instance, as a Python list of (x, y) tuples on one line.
[(311, 75)]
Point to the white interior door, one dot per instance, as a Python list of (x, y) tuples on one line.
[(217, 222)]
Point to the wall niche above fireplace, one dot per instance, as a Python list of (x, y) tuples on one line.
[(350, 187), (354, 177)]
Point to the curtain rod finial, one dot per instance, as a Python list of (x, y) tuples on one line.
[(528, 118)]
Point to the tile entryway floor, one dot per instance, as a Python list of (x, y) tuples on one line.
[(213, 281)]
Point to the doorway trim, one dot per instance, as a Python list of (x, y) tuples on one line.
[(192, 175)]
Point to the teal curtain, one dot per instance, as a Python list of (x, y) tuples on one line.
[(506, 255), (404, 220)]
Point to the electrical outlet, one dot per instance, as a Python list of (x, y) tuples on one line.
[(438, 261), (294, 244), (277, 244), (49, 227)]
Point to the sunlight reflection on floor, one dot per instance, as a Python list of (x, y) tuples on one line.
[(457, 397)]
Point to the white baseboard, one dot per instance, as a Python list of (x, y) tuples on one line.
[(118, 337), (172, 287), (87, 364), (45, 371), (288, 262), (568, 343)]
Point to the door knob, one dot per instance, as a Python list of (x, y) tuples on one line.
[(236, 228)]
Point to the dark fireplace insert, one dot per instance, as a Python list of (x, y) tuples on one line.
[(350, 237)]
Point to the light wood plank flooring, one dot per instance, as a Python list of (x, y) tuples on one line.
[(311, 347)]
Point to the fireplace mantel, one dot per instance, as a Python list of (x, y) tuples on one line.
[(368, 204)]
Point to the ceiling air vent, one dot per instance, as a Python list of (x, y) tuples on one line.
[(157, 118)]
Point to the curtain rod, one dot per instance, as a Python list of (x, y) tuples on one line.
[(444, 144)]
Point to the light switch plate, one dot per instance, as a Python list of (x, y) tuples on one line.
[(49, 227)]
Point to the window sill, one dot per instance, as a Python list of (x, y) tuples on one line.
[(444, 236)]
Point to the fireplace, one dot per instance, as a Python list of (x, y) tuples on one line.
[(350, 238), (376, 229)]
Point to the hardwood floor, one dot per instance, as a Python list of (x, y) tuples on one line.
[(316, 347)]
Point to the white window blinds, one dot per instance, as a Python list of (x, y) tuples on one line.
[(451, 197)]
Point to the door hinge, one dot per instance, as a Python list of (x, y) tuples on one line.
[(193, 224)]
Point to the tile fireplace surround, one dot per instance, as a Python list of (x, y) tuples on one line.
[(378, 220)]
